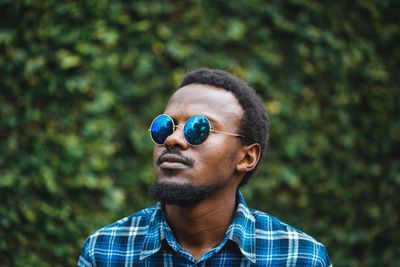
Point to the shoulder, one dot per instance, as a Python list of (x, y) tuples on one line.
[(272, 233), (133, 223), (129, 230)]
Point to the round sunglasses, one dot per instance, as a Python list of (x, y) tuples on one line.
[(196, 129)]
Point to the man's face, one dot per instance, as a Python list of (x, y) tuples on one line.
[(210, 166)]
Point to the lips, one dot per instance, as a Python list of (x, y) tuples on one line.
[(173, 161)]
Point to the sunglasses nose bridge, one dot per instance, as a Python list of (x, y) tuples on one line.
[(177, 138)]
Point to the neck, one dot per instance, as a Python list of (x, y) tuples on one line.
[(200, 227)]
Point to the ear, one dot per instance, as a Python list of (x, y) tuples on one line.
[(249, 157)]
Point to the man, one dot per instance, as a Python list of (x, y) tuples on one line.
[(208, 142)]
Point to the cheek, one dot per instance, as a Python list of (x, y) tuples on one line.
[(219, 160), (224, 151)]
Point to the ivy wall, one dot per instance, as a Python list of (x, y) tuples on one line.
[(81, 81)]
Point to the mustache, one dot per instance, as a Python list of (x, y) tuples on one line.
[(175, 151)]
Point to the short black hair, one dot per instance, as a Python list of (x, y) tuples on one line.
[(255, 123)]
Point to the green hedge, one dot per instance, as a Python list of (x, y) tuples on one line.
[(80, 83)]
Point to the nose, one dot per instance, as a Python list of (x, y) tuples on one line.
[(176, 139)]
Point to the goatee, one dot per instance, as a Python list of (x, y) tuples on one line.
[(179, 194)]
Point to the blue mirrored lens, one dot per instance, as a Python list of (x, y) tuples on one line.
[(196, 130), (161, 128)]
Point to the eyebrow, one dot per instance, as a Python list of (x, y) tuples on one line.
[(210, 118)]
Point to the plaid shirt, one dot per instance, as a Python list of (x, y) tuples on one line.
[(253, 239)]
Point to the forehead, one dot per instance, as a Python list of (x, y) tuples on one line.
[(217, 104)]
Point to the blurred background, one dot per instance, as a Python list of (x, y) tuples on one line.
[(81, 82)]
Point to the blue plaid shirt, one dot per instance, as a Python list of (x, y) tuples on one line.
[(253, 239)]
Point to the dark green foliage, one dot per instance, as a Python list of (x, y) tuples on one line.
[(81, 81)]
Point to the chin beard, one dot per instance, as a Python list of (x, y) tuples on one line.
[(179, 194)]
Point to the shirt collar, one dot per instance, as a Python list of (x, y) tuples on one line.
[(241, 231), (154, 236)]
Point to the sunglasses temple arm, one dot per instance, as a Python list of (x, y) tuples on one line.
[(232, 134)]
